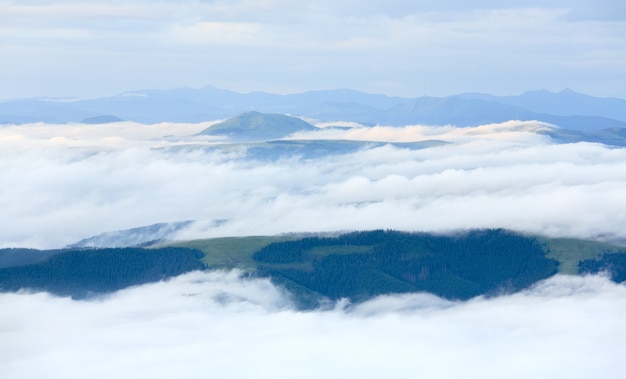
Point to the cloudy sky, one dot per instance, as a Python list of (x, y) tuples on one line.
[(397, 47)]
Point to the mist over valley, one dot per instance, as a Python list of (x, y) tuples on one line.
[(328, 189), (310, 239)]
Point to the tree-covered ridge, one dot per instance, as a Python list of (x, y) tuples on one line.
[(612, 263), (355, 265), (80, 273), (364, 264)]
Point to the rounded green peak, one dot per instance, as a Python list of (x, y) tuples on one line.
[(259, 126)]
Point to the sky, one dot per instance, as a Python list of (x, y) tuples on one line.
[(70, 48)]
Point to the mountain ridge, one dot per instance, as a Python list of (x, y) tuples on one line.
[(567, 109), (354, 265)]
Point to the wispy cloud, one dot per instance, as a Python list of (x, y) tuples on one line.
[(523, 132)]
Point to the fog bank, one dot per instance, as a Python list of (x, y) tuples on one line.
[(221, 325), (62, 183)]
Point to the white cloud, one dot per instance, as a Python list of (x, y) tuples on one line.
[(219, 325), (522, 131), (62, 183)]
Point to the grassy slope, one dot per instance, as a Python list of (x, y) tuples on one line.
[(569, 251), (230, 252)]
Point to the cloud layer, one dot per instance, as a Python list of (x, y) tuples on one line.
[(62, 183), (220, 325)]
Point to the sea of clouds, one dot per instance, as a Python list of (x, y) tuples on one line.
[(61, 183), (221, 325)]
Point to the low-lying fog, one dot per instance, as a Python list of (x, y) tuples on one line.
[(62, 183), (219, 325)]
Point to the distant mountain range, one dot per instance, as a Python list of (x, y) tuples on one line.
[(567, 109), (263, 136)]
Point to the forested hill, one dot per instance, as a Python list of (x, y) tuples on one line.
[(356, 265), (81, 273), (365, 264)]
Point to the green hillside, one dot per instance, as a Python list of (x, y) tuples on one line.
[(360, 265), (357, 265), (237, 251), (570, 251), (82, 273), (294, 261), (231, 252)]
